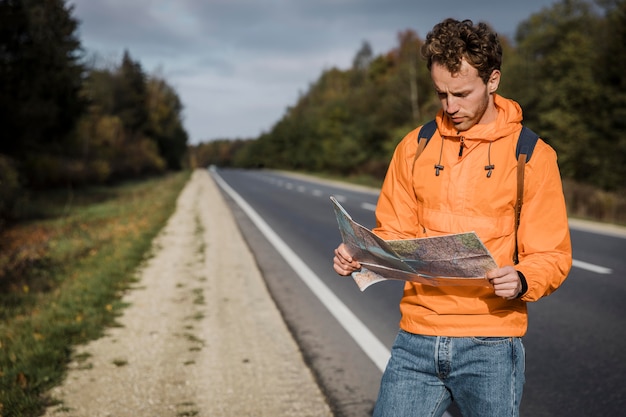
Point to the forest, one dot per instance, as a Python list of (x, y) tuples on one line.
[(67, 122), (565, 67)]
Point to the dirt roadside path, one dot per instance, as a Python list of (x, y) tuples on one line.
[(201, 335)]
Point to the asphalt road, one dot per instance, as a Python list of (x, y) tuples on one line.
[(575, 346)]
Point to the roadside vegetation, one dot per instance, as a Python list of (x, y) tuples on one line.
[(62, 274)]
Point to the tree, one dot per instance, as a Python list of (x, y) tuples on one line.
[(165, 122), (40, 75), (130, 96), (558, 84), (610, 121), (363, 57), (408, 51)]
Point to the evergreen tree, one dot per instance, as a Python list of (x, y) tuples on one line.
[(40, 75), (610, 120), (165, 122), (131, 96)]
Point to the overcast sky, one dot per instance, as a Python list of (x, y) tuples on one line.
[(238, 64)]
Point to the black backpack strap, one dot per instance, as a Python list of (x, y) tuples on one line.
[(524, 150), (423, 137), (526, 143)]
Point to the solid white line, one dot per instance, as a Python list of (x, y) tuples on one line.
[(591, 267), (369, 343)]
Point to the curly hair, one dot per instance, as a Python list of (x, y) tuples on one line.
[(451, 40)]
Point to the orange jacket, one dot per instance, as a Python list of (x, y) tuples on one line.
[(414, 202)]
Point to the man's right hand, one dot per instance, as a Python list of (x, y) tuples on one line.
[(343, 263)]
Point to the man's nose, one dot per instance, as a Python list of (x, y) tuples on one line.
[(452, 104)]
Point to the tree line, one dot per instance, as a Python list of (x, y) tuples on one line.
[(565, 67), (66, 122)]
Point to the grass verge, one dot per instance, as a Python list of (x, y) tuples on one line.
[(62, 277)]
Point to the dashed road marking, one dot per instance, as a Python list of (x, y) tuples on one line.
[(591, 267)]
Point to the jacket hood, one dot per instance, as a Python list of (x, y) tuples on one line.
[(508, 121)]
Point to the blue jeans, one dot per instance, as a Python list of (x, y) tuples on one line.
[(483, 375)]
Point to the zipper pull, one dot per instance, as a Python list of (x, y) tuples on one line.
[(461, 147)]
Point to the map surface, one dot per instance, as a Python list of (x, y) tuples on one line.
[(456, 259)]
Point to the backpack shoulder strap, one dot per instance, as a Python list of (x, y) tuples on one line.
[(524, 150), (423, 137), (526, 143)]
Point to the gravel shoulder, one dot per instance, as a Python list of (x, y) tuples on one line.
[(201, 335)]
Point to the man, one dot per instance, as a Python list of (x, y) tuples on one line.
[(456, 342)]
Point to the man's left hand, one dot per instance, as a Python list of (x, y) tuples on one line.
[(506, 282)]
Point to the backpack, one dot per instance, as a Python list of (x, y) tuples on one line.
[(523, 152)]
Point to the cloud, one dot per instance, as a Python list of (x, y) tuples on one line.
[(238, 64)]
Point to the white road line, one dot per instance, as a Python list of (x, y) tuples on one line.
[(368, 206), (369, 343), (591, 267)]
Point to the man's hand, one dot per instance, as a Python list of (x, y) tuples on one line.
[(506, 282), (343, 263)]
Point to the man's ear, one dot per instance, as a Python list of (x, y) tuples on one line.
[(493, 82)]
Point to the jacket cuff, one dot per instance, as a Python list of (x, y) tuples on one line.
[(522, 279)]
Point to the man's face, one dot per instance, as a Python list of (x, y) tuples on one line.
[(464, 96)]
